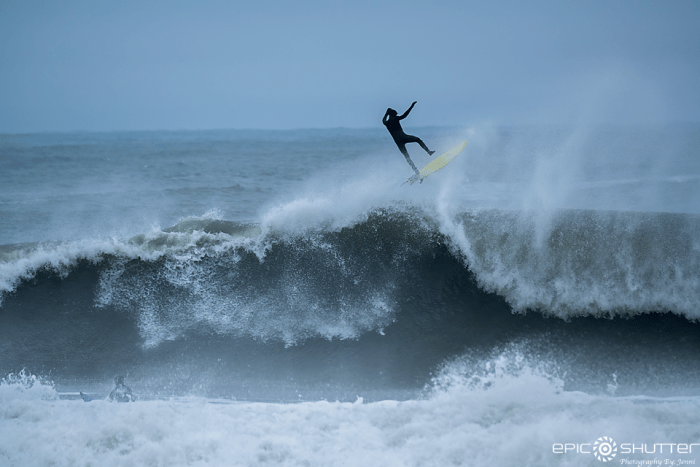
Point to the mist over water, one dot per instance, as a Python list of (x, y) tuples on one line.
[(551, 270)]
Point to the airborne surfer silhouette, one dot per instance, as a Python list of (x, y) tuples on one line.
[(392, 123)]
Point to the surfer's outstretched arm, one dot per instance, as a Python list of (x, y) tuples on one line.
[(405, 114)]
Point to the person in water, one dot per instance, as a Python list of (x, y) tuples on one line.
[(392, 123), (121, 392)]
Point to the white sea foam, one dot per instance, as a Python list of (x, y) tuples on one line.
[(515, 418)]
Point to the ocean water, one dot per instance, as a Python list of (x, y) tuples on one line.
[(279, 298)]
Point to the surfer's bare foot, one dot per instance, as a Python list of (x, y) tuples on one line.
[(431, 152)]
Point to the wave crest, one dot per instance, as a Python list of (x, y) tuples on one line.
[(339, 281), (575, 262)]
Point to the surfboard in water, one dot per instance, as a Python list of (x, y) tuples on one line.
[(437, 163)]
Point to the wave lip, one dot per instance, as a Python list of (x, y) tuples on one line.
[(577, 262), (22, 262)]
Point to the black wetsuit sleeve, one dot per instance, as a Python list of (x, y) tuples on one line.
[(405, 114)]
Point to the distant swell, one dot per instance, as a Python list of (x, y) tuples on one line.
[(213, 276)]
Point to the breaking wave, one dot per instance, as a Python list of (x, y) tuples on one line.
[(339, 281)]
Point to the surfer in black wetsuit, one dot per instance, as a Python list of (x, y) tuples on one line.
[(392, 123)]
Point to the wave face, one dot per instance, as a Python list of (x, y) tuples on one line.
[(332, 284), (233, 279)]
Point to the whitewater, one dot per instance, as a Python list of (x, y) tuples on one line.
[(278, 298)]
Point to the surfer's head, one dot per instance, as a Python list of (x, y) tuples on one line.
[(391, 112)]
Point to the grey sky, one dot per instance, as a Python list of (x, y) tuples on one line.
[(141, 65)]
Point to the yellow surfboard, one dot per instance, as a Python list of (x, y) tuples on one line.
[(437, 163)]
